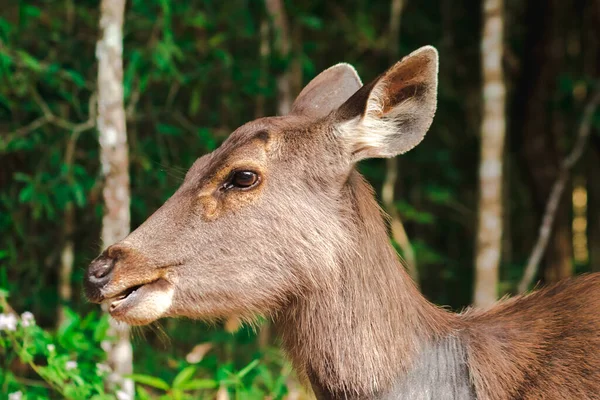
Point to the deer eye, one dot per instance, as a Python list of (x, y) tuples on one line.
[(242, 180)]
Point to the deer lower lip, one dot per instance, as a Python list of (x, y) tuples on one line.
[(127, 296), (123, 298)]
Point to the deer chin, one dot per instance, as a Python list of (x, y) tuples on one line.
[(142, 304)]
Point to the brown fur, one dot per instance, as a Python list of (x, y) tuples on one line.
[(307, 246), (545, 345)]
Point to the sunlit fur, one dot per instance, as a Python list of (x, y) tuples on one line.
[(399, 108)]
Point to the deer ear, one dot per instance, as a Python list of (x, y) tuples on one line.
[(391, 115), (327, 91)]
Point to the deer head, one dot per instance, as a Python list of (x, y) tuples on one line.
[(263, 219)]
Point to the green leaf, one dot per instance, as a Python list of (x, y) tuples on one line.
[(26, 194), (311, 22), (167, 129), (183, 376), (29, 61), (101, 329), (410, 213), (150, 381), (31, 11), (176, 394), (77, 78), (200, 20), (217, 40), (79, 195), (199, 384), (438, 194), (21, 177), (195, 102), (62, 195), (142, 394), (207, 138), (246, 370), (5, 28), (131, 74)]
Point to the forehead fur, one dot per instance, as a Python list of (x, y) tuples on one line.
[(267, 134)]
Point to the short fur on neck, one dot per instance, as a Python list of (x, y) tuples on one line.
[(340, 339)]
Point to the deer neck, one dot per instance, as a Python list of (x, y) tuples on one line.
[(366, 334)]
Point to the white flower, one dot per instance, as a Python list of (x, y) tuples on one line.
[(15, 395), (27, 319), (8, 322), (106, 345), (51, 348), (114, 379), (121, 395), (102, 369), (70, 365)]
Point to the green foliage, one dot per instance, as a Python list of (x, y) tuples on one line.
[(69, 362), (184, 384)]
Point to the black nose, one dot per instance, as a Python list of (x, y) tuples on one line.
[(100, 270), (98, 275)]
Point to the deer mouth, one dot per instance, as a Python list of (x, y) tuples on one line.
[(142, 303), (122, 297)]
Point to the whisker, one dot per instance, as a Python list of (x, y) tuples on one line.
[(161, 334)]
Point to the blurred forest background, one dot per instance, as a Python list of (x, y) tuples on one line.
[(193, 71)]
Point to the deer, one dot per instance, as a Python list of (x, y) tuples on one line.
[(278, 223)]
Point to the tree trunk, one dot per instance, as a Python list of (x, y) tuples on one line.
[(541, 67), (555, 197), (264, 53), (489, 229), (558, 268), (276, 11), (396, 227), (115, 164), (593, 202), (561, 267), (591, 67), (296, 71), (65, 290)]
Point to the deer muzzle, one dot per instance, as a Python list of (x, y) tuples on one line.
[(135, 290)]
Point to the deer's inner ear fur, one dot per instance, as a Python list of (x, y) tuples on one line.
[(391, 115), (327, 91)]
